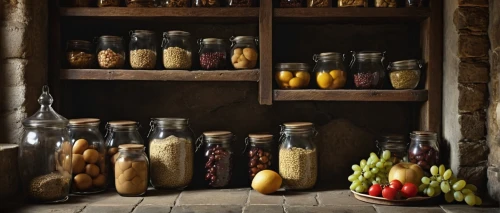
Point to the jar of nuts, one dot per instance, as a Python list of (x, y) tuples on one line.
[(330, 71), (79, 54), (368, 69), (386, 3), (89, 156), (423, 149), (142, 49), (292, 75), (405, 74), (110, 52), (212, 54), (175, 3), (131, 170), (298, 162), (240, 3), (352, 3), (292, 3), (206, 3), (176, 50), (397, 145), (108, 3), (218, 157), (319, 3), (171, 153), (244, 54), (260, 153)]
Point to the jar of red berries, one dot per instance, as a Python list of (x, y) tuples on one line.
[(213, 54), (368, 69), (423, 149), (218, 157)]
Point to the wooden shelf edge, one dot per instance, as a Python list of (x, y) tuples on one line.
[(127, 12), (354, 13), (351, 95)]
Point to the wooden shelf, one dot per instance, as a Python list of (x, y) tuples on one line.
[(160, 75), (350, 95)]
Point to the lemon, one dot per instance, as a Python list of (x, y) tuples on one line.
[(324, 80), (336, 74), (295, 83), (305, 76), (284, 76), (266, 182), (338, 83)]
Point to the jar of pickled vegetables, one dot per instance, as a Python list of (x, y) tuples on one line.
[(131, 170), (368, 69), (260, 153), (405, 74), (329, 70), (396, 145), (423, 149), (218, 157), (292, 75), (244, 53), (352, 3)]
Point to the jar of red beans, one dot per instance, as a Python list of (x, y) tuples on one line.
[(259, 152), (218, 157), (423, 149), (212, 54), (368, 69)]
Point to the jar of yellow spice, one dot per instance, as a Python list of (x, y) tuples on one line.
[(405, 74)]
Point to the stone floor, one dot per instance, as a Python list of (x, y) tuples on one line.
[(231, 200)]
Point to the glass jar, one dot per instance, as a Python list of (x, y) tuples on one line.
[(292, 3), (319, 3), (368, 69), (89, 156), (405, 74), (171, 153), (45, 154), (206, 3), (131, 170), (330, 70), (175, 3), (79, 54), (110, 52), (396, 145), (244, 54), (423, 149), (386, 3), (218, 157), (240, 3), (416, 3), (176, 50), (292, 75), (140, 3), (142, 49), (298, 162), (212, 54), (108, 3), (352, 3), (260, 153)]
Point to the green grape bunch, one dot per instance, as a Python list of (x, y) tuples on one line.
[(371, 171)]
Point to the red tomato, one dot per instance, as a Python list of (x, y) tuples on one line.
[(409, 190), (396, 184), (389, 193), (375, 190)]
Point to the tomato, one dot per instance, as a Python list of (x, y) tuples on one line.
[(389, 193), (409, 190), (396, 184), (375, 190)]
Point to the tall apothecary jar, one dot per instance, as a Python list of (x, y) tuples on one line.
[(171, 153), (298, 162), (218, 157), (142, 49), (330, 71), (45, 154)]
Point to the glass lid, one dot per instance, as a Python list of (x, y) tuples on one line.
[(46, 116)]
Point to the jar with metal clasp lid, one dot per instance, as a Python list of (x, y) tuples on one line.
[(405, 74), (177, 52), (244, 54), (329, 70), (213, 54), (368, 69), (218, 157)]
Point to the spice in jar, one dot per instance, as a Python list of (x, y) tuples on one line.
[(366, 80), (219, 166), (318, 3), (352, 3), (240, 3), (295, 166), (213, 60), (174, 3), (110, 59), (171, 162), (176, 58), (404, 79), (244, 58), (80, 59), (142, 59), (386, 3), (53, 186), (108, 3), (291, 3)]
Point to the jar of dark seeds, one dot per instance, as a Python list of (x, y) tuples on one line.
[(142, 48), (368, 69), (110, 52), (213, 54), (405, 74), (259, 152), (176, 50), (292, 3), (79, 54), (218, 157)]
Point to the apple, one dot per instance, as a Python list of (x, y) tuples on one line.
[(406, 173)]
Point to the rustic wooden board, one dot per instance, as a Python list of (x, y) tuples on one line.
[(382, 201), (350, 95)]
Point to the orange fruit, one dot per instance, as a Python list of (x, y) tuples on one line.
[(324, 80), (266, 182)]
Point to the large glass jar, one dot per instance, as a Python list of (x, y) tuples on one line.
[(45, 154), (79, 54), (206, 3), (171, 153), (140, 3), (176, 50), (368, 69), (386, 3), (110, 52), (131, 170), (89, 156), (244, 54), (330, 71), (298, 162), (212, 54), (423, 149), (218, 157), (405, 74), (352, 3), (292, 3), (292, 75), (175, 3), (142, 49), (108, 3), (319, 3), (396, 145), (260, 153)]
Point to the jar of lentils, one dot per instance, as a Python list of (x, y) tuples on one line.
[(396, 145), (142, 49), (260, 153), (176, 50), (131, 170), (212, 54), (330, 71), (405, 74), (79, 54), (244, 54), (423, 149), (218, 157), (206, 3), (368, 69), (110, 52)]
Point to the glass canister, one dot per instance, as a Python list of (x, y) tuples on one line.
[(319, 3), (240, 3), (352, 3), (244, 54), (175, 3), (140, 3), (110, 52), (396, 145), (89, 156), (79, 54), (218, 157), (142, 49), (206, 3), (423, 149), (292, 3), (176, 50), (292, 75), (108, 3), (405, 74), (131, 170), (171, 153), (298, 162), (368, 69), (45, 154), (386, 3), (330, 70), (260, 153), (212, 53)]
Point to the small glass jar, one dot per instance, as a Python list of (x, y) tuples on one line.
[(212, 54), (405, 74), (386, 3), (176, 50), (108, 3), (79, 54), (140, 3), (292, 75), (260, 153), (110, 52), (142, 49), (218, 157), (240, 3), (131, 170), (291, 3), (396, 145), (368, 69), (352, 3), (206, 3), (416, 3), (244, 54), (319, 3), (175, 3), (423, 149), (171, 153), (330, 70), (298, 162), (89, 156)]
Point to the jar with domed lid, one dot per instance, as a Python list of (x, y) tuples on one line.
[(396, 145), (218, 157), (244, 54), (424, 150), (45, 154), (330, 71), (368, 69), (259, 149)]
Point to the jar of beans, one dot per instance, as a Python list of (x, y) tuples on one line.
[(352, 3), (319, 3), (423, 149), (206, 3), (396, 145), (240, 3), (142, 49), (330, 71), (110, 52), (176, 50), (79, 54), (298, 162), (405, 74), (131, 170), (292, 75), (218, 157), (244, 54), (292, 3), (212, 54), (260, 153), (368, 69)]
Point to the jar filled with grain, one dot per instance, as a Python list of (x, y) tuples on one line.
[(352, 3), (292, 3), (45, 154), (240, 3), (292, 75), (89, 156), (319, 3), (79, 54), (110, 52), (218, 157), (386, 3), (175, 3), (142, 49), (131, 170), (405, 74), (330, 71), (244, 54), (298, 163), (212, 54), (397, 145), (171, 153), (206, 3), (108, 3), (368, 69), (260, 153), (176, 50), (140, 3)]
